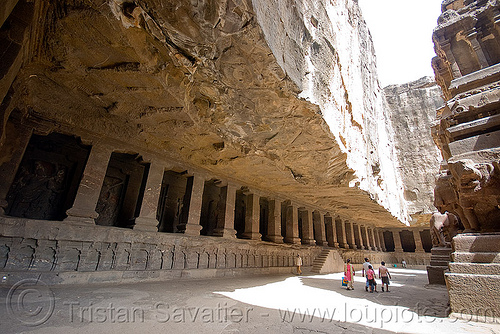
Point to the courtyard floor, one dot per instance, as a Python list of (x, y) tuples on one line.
[(261, 304)]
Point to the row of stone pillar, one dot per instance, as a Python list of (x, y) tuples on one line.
[(314, 230), (398, 245), (318, 228)]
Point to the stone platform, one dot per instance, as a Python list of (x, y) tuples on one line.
[(474, 278), (440, 258)]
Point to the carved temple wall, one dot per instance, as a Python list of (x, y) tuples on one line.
[(466, 130)]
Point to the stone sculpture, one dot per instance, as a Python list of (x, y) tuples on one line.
[(443, 228)]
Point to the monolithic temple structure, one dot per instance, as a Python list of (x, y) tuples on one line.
[(467, 131)]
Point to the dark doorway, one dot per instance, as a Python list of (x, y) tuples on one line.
[(48, 177), (175, 196), (389, 241), (240, 213), (122, 189), (264, 218), (407, 241), (425, 236), (339, 230), (211, 207)]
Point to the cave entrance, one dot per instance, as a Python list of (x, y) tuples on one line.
[(175, 196), (47, 179), (389, 241), (425, 236), (264, 218), (408, 241), (339, 229), (240, 213), (212, 208), (122, 190)]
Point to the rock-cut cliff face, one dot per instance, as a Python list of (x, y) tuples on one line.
[(413, 110), (326, 49)]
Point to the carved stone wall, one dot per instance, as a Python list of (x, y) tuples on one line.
[(467, 66), (466, 128), (31, 247)]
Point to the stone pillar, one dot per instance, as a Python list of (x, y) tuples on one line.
[(331, 232), (8, 169), (398, 246), (83, 209), (292, 225), (193, 227), (252, 218), (472, 37), (353, 240), (307, 227), (274, 219), (382, 240), (372, 239), (225, 219), (451, 59), (147, 220), (360, 233), (368, 244), (319, 229), (418, 241), (376, 235)]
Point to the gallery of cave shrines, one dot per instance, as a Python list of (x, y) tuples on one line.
[(148, 140)]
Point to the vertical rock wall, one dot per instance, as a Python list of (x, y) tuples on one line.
[(326, 49), (413, 109)]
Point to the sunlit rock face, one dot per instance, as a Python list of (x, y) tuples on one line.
[(413, 110), (280, 96), (326, 49)]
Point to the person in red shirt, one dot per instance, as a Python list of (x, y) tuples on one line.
[(370, 276), (349, 274)]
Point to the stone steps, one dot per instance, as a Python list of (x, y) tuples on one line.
[(482, 257), (320, 261), (477, 243), (474, 278), (441, 251)]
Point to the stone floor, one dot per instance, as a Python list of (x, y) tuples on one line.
[(262, 304)]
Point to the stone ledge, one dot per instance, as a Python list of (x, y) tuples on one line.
[(131, 276), (484, 257), (475, 268), (69, 231), (475, 242)]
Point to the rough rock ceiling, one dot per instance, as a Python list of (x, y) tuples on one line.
[(194, 80)]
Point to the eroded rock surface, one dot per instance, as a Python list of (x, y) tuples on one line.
[(413, 110), (281, 96)]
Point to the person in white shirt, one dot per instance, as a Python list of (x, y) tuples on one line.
[(366, 264)]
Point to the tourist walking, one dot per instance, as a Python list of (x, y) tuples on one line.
[(365, 270), (384, 275), (349, 274), (298, 264), (370, 277)]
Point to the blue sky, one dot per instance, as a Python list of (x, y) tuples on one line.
[(402, 35)]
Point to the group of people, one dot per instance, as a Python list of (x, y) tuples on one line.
[(369, 273)]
